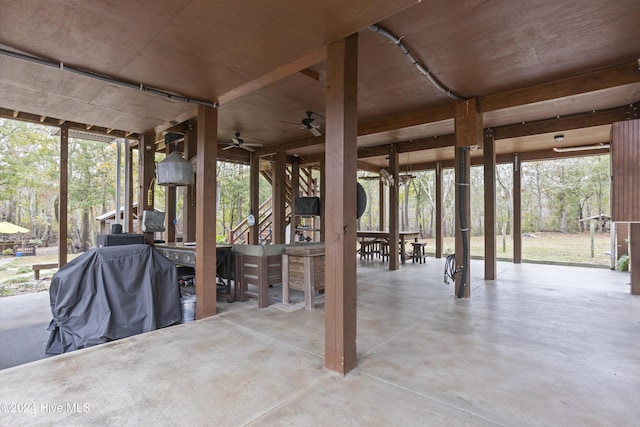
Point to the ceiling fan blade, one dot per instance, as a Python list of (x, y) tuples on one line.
[(252, 144), (315, 132), (228, 147), (244, 146)]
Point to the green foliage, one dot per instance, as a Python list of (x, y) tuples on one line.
[(7, 251), (16, 280), (623, 263), (24, 269)]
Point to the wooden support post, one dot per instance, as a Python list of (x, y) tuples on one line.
[(340, 242), (382, 207), (323, 199), (295, 192), (189, 207), (634, 262), (63, 215), (439, 211), (468, 129), (394, 210), (146, 160), (254, 198), (128, 188), (463, 168), (170, 205), (490, 258), (206, 212), (278, 186), (517, 210)]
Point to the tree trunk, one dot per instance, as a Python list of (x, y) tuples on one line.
[(431, 222), (370, 215), (84, 241), (33, 212), (539, 194), (11, 213), (580, 217), (405, 217)]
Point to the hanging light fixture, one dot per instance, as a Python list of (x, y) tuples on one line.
[(174, 170), (581, 148)]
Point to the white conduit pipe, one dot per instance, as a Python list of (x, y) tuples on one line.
[(106, 79), (427, 73)]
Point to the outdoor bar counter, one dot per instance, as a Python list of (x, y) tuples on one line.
[(185, 254), (303, 269)]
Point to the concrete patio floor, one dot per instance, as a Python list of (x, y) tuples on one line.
[(542, 345)]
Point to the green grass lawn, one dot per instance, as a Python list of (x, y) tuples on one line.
[(544, 247), (16, 274)]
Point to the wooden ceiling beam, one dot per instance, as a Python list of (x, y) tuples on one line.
[(442, 141), (603, 79), (405, 120), (55, 122), (575, 121), (27, 117), (101, 130), (528, 156), (274, 76), (290, 145), (234, 156), (409, 146), (367, 167), (534, 156), (311, 73)]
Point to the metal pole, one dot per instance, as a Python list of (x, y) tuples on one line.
[(592, 232), (118, 179), (614, 255), (127, 185)]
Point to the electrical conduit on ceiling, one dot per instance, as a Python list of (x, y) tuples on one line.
[(412, 59), (106, 79)]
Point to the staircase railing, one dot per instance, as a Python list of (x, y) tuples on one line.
[(264, 220)]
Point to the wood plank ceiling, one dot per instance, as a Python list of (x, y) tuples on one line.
[(248, 57)]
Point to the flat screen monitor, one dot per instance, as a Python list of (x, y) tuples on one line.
[(307, 206)]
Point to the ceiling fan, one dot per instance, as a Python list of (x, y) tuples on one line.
[(238, 142), (386, 178), (307, 123)]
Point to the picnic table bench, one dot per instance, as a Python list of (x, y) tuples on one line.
[(37, 267)]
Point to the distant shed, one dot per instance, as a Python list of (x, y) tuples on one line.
[(109, 218)]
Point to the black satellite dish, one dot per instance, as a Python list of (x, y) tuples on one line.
[(361, 201)]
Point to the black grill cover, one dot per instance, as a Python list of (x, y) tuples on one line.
[(111, 293)]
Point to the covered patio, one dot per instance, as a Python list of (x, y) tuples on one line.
[(391, 85), (541, 345)]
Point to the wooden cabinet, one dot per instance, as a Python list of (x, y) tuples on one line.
[(303, 269)]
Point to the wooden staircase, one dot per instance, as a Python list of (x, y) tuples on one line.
[(264, 220)]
